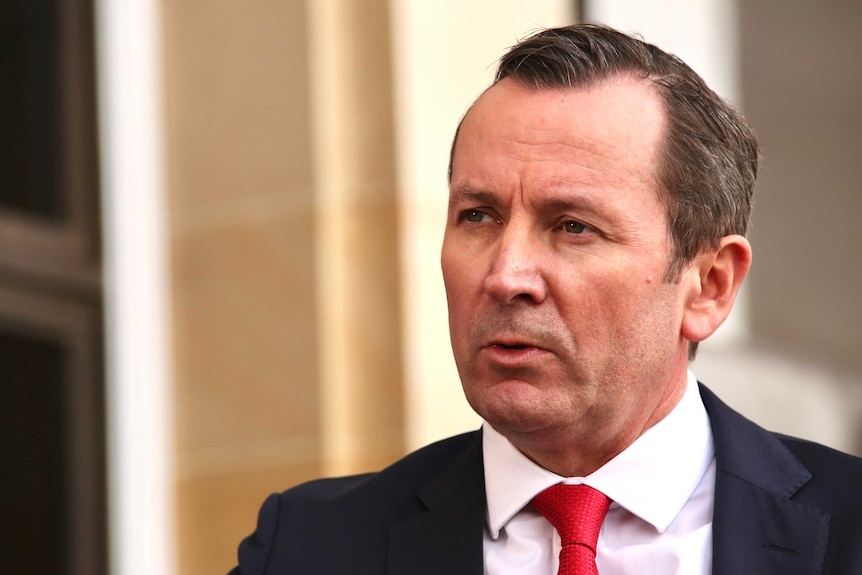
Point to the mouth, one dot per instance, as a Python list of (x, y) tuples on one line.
[(513, 353), (512, 342), (511, 346)]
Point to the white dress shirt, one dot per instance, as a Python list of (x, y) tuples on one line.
[(660, 521)]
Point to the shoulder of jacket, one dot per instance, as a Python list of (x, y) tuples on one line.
[(417, 466)]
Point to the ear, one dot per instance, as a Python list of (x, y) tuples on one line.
[(714, 277)]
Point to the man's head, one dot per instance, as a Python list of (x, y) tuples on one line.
[(574, 284), (709, 153)]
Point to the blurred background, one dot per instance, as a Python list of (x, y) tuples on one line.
[(220, 224)]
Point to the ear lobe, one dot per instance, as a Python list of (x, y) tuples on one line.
[(716, 275)]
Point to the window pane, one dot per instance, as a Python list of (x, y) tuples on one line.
[(30, 160), (33, 484)]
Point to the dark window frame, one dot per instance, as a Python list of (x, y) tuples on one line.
[(77, 328), (51, 283), (64, 253)]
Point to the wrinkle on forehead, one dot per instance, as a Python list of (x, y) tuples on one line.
[(595, 133), (582, 146)]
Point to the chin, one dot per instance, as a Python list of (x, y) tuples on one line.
[(514, 406)]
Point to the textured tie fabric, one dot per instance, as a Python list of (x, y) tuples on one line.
[(576, 512)]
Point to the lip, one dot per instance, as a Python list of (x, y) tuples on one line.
[(512, 353)]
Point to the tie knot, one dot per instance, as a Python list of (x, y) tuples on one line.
[(575, 511)]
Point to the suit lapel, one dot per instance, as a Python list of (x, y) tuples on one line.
[(447, 537), (757, 527)]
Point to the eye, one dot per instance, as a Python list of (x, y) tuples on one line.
[(476, 216), (575, 227)]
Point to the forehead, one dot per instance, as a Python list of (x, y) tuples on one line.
[(609, 132)]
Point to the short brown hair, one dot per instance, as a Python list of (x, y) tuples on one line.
[(709, 155)]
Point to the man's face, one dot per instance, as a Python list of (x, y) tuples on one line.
[(554, 259)]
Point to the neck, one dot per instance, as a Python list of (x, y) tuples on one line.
[(581, 450)]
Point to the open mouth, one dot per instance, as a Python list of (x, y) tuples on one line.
[(513, 355), (516, 346)]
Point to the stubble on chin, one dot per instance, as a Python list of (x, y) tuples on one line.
[(520, 400)]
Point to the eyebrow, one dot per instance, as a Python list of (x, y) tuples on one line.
[(468, 194), (553, 204), (577, 203)]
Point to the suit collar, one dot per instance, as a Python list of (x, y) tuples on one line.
[(757, 527), (447, 536)]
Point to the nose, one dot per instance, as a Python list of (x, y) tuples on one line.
[(516, 273)]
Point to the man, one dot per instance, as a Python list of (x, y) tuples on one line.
[(599, 197)]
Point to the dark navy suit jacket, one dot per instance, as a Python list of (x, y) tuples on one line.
[(783, 506)]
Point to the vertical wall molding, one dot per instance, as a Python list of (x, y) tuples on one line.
[(358, 271), (138, 394)]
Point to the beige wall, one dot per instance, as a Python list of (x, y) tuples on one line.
[(356, 235), (284, 256), (241, 204), (803, 88)]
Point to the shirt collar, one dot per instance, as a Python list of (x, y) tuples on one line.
[(652, 478)]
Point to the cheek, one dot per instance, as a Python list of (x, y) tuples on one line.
[(583, 297), (459, 280), (646, 317), (606, 306), (453, 281), (462, 277), (450, 267)]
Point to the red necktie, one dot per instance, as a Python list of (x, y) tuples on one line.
[(576, 512)]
